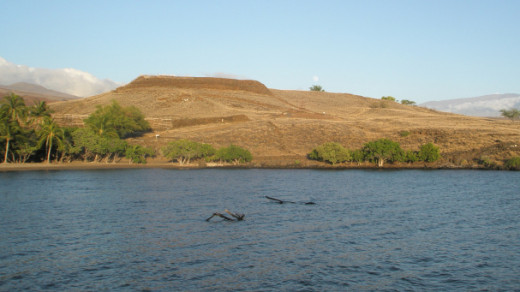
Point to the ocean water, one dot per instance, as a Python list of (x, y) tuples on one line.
[(145, 230)]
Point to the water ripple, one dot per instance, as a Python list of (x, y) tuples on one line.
[(370, 230)]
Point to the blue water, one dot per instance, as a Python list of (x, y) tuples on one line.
[(145, 230)]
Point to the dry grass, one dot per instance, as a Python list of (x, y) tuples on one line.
[(280, 123)]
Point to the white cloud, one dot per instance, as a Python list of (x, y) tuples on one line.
[(66, 80), (315, 78)]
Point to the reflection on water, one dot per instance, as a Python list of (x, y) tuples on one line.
[(146, 230)]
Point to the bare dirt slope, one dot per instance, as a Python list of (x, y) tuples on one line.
[(280, 124)]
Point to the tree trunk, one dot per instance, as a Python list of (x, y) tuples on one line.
[(6, 150), (380, 162), (49, 153)]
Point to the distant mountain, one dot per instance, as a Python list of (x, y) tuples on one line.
[(67, 80), (38, 89), (32, 93), (482, 106)]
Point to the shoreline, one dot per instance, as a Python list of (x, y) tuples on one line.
[(40, 166)]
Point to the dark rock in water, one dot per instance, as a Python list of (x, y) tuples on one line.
[(282, 201)]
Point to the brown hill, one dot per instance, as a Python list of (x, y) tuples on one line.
[(281, 126)]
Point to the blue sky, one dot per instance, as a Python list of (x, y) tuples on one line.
[(417, 50)]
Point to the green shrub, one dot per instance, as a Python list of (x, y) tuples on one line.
[(407, 102), (184, 150), (382, 150), (429, 153), (513, 114), (233, 154), (115, 120), (316, 88), (358, 156), (390, 98), (331, 152), (404, 133), (513, 163), (411, 156), (138, 154)]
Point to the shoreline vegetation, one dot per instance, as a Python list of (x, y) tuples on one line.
[(219, 125), (101, 144), (256, 164)]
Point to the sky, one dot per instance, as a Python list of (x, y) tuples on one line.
[(418, 50)]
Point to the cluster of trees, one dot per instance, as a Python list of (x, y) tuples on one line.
[(378, 151), (105, 129), (24, 130), (183, 151), (31, 134), (404, 101)]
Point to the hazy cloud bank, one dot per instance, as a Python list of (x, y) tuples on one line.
[(483, 106), (66, 80)]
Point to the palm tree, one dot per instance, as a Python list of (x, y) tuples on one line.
[(40, 110), (102, 125), (8, 131), (50, 133), (15, 107)]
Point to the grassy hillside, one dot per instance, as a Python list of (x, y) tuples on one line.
[(281, 125)]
